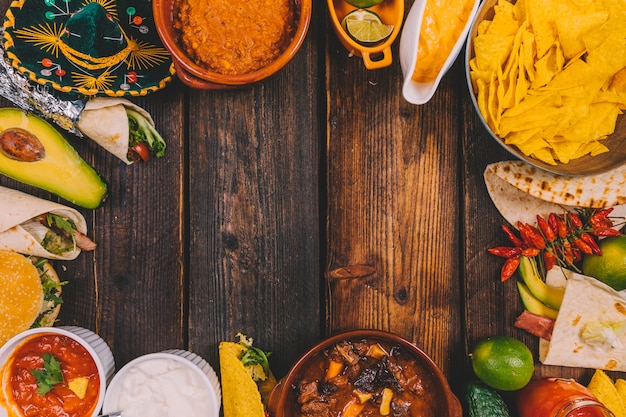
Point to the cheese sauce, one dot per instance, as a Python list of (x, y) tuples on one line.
[(163, 387)]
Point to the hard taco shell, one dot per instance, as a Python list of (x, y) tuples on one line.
[(240, 395)]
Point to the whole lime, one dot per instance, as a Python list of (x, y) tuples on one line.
[(503, 363), (364, 4), (610, 267)]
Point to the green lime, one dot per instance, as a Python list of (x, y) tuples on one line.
[(610, 267), (503, 363), (364, 4), (366, 27)]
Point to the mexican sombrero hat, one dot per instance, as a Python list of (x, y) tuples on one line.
[(87, 47)]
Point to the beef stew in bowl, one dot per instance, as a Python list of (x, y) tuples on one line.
[(364, 373)]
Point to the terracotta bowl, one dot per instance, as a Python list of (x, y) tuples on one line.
[(586, 165), (283, 401), (198, 77), (377, 56)]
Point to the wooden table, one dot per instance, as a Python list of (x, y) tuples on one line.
[(314, 202)]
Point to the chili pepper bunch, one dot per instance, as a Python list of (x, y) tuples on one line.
[(560, 239)]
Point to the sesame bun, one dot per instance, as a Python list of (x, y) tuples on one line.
[(22, 304)]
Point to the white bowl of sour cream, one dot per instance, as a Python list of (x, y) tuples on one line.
[(173, 383)]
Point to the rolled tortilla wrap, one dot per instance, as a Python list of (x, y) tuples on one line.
[(105, 121), (19, 234)]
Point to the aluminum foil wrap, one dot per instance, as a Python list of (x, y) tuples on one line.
[(37, 98)]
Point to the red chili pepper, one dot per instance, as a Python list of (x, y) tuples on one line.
[(568, 253), (558, 225), (583, 246), (535, 236), (509, 268), (530, 252), (589, 240), (505, 251), (606, 232), (600, 216), (549, 260), (512, 237), (574, 220), (546, 229)]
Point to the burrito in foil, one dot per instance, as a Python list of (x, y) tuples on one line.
[(33, 226)]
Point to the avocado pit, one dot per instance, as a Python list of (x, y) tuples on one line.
[(21, 145)]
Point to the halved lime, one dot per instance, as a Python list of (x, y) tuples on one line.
[(364, 4), (366, 27)]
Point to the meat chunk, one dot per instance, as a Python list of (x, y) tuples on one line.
[(308, 391), (535, 324)]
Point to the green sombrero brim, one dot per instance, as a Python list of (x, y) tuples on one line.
[(32, 31)]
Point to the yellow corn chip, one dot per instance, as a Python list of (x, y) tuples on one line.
[(603, 388)]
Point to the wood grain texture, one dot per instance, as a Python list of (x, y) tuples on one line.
[(393, 201)]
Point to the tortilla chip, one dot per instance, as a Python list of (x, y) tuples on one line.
[(620, 385), (603, 388), (240, 395)]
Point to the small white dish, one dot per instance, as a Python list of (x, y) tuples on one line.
[(172, 376), (417, 92), (94, 344)]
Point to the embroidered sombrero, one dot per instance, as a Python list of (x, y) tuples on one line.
[(87, 47)]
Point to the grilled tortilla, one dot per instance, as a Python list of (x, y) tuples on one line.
[(595, 191), (516, 205)]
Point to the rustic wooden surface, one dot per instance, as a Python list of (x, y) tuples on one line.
[(314, 202)]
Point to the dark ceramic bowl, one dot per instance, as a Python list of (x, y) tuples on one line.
[(586, 165), (283, 401), (198, 77)]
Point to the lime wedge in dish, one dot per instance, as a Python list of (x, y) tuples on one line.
[(364, 4), (366, 27)]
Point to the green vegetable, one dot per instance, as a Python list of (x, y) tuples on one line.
[(141, 130), (254, 358), (483, 401), (50, 376), (62, 234)]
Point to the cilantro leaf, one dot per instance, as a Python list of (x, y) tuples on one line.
[(50, 376)]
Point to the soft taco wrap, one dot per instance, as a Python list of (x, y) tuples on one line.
[(590, 329), (122, 128), (33, 226), (245, 377)]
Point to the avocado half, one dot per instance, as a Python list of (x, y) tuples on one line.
[(32, 151)]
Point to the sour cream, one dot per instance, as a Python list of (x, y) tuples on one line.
[(162, 387)]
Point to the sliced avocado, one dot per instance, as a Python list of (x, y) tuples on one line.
[(551, 296), (34, 152), (532, 304)]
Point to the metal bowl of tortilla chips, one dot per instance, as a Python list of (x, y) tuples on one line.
[(548, 81)]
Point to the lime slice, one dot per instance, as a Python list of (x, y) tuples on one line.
[(364, 4), (366, 27)]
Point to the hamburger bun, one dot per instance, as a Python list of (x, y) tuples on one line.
[(24, 304)]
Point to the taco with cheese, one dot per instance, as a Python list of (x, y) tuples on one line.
[(33, 226), (31, 294), (246, 378)]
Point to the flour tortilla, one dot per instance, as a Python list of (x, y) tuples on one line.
[(595, 191), (587, 301), (516, 205), (240, 394), (17, 208), (104, 120)]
